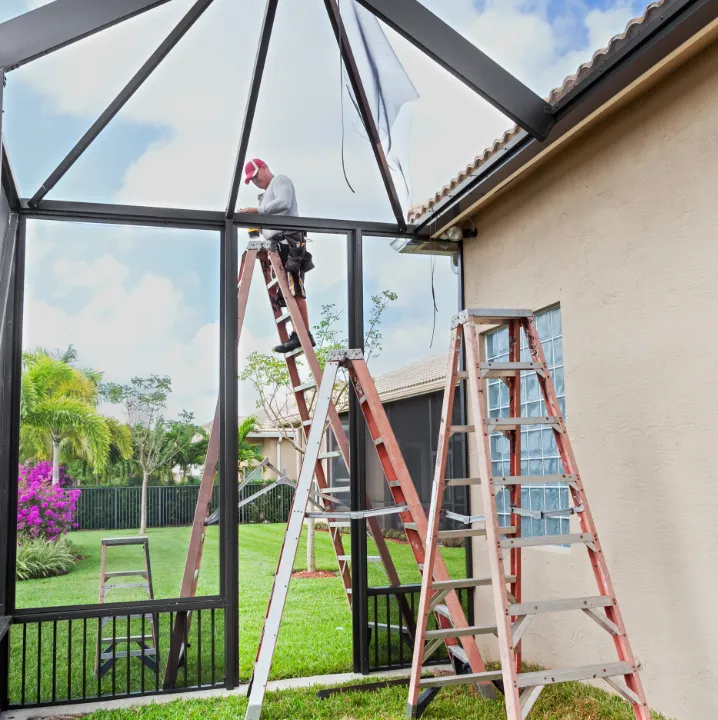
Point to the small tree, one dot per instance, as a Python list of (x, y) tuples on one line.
[(157, 441), (270, 378)]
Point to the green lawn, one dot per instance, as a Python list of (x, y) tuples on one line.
[(570, 701), (316, 636)]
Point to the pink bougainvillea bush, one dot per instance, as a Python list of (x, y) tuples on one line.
[(44, 510)]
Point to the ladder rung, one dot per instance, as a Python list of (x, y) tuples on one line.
[(124, 638), (471, 532), (137, 540), (494, 316), (394, 483), (305, 386), (379, 441), (329, 455), (147, 652), (462, 481), (447, 680), (459, 653), (340, 524), (274, 281), (513, 423), (467, 583), (293, 353), (283, 318), (461, 632), (410, 526), (561, 605), (508, 369), (444, 611), (307, 423), (463, 428), (335, 489), (543, 514), (587, 672), (125, 573), (534, 479), (574, 539)]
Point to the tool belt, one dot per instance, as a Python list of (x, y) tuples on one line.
[(299, 259)]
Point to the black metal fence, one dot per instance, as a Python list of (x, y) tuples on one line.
[(56, 660), (391, 641), (118, 508)]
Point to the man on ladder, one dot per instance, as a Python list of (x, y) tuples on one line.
[(279, 198)]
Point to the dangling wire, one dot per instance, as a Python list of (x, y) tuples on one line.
[(340, 33), (433, 291)]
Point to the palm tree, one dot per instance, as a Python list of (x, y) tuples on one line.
[(58, 410), (247, 453)]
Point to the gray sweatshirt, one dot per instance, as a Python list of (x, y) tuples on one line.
[(278, 199)]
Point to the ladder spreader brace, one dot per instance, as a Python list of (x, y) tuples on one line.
[(275, 281), (462, 645), (513, 615)]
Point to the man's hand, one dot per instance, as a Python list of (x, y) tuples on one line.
[(249, 210)]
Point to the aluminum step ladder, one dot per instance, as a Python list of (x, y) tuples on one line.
[(407, 505), (107, 654), (285, 310), (513, 614)]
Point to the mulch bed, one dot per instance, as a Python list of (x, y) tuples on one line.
[(303, 574)]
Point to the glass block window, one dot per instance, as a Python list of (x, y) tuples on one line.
[(539, 453)]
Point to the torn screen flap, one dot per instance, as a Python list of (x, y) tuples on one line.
[(388, 88)]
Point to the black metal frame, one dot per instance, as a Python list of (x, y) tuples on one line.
[(63, 22)]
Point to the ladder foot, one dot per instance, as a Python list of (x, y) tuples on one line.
[(425, 698)]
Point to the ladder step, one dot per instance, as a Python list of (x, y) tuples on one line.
[(444, 611), (394, 483), (305, 386), (379, 441), (410, 526), (124, 638), (456, 482), (508, 369), (307, 423), (587, 672), (534, 479), (562, 605), (335, 489), (494, 316), (283, 318), (293, 353), (329, 455), (574, 539), (516, 423), (448, 680), (369, 558), (461, 632), (459, 653), (463, 429), (126, 573), (340, 524), (136, 540), (472, 532), (467, 583), (147, 652), (274, 281)]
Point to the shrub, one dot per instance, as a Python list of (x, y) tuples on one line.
[(44, 510), (41, 558)]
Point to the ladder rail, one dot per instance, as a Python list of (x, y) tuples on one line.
[(395, 468), (278, 596), (596, 555)]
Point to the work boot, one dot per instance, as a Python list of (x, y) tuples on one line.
[(292, 344)]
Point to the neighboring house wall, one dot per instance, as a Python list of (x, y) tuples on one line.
[(621, 229), (281, 454)]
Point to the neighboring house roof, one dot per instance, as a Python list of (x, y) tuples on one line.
[(424, 376), (592, 66)]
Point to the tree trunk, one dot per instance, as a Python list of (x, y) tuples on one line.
[(143, 502), (55, 461), (311, 559)]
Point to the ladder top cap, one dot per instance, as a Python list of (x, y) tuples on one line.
[(137, 540), (490, 316), (344, 355), (259, 245)]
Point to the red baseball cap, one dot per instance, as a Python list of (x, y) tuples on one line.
[(252, 168)]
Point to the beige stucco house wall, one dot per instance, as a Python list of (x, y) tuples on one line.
[(621, 229)]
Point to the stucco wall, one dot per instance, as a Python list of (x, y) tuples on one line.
[(622, 230)]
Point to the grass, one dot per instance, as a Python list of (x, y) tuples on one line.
[(570, 701), (316, 635)]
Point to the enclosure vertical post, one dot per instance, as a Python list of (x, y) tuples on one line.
[(229, 494), (357, 459), (11, 359), (463, 420)]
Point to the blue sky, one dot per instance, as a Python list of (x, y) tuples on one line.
[(136, 301)]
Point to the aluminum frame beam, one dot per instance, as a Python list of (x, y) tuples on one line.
[(178, 32), (257, 74), (465, 61), (60, 23), (334, 13), (141, 215)]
